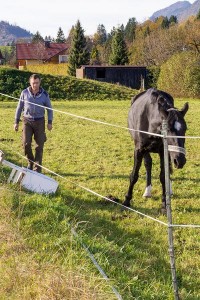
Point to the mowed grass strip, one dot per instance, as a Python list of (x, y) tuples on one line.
[(132, 250)]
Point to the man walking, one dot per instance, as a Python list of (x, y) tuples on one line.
[(33, 120)]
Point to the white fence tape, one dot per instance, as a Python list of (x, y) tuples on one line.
[(101, 122)]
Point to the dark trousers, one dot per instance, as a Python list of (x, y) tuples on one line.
[(34, 129)]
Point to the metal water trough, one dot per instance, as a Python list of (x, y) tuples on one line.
[(30, 180)]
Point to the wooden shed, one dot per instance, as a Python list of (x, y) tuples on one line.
[(130, 76)]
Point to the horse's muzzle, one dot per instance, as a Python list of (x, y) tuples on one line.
[(177, 155), (179, 161)]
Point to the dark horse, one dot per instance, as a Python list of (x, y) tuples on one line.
[(147, 112)]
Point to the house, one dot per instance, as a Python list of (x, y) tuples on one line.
[(1, 58), (130, 76), (43, 52)]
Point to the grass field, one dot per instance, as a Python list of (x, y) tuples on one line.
[(40, 257)]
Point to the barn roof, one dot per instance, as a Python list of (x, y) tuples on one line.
[(39, 51), (112, 66)]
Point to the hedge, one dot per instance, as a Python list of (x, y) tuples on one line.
[(180, 75), (13, 81)]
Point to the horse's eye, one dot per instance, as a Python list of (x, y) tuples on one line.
[(177, 125)]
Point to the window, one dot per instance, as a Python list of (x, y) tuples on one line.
[(63, 58), (100, 73)]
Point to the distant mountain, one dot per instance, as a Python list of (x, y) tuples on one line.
[(192, 10), (181, 9), (10, 33)]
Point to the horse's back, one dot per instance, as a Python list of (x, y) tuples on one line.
[(144, 114)]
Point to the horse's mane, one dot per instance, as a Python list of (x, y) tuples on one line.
[(133, 99)]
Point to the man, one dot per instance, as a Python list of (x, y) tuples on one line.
[(33, 120)]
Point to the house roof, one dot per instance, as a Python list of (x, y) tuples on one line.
[(38, 51)]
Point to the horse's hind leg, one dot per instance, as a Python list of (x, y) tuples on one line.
[(148, 167), (138, 156)]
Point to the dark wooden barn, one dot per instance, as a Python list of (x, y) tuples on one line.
[(130, 76)]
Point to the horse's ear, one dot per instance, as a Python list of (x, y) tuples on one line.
[(185, 109), (154, 96), (162, 107)]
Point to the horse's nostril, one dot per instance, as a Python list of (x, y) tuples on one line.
[(175, 163)]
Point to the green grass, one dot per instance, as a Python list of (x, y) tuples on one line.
[(132, 250)]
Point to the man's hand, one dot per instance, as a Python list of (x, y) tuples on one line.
[(16, 127), (49, 127)]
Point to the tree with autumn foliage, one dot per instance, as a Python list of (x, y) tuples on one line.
[(94, 56)]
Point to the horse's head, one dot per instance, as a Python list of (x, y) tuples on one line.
[(176, 127)]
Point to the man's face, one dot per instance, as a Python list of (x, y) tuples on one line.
[(35, 84)]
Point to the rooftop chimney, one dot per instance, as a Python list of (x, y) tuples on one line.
[(47, 43)]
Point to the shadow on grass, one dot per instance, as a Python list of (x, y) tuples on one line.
[(94, 176), (122, 246)]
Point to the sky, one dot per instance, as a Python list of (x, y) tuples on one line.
[(46, 16)]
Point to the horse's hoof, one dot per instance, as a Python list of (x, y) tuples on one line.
[(126, 204), (147, 192)]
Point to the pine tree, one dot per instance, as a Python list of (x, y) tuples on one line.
[(173, 19), (79, 54), (37, 38), (101, 34), (60, 36), (198, 15), (119, 54), (130, 29), (165, 23)]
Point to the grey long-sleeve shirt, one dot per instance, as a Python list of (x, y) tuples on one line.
[(30, 110)]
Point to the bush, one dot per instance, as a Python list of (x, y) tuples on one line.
[(152, 76), (13, 81), (180, 75)]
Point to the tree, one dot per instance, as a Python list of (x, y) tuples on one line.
[(180, 75), (49, 38), (165, 23), (198, 15), (119, 54), (9, 55), (37, 38), (158, 46), (173, 19), (70, 36), (129, 30), (192, 32), (100, 36), (79, 54), (60, 36), (94, 56)]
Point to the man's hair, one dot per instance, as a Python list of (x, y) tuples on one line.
[(35, 76)]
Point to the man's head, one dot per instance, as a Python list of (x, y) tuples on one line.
[(35, 81)]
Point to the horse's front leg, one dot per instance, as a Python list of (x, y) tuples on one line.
[(138, 156)]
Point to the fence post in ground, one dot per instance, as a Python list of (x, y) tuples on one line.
[(169, 212)]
